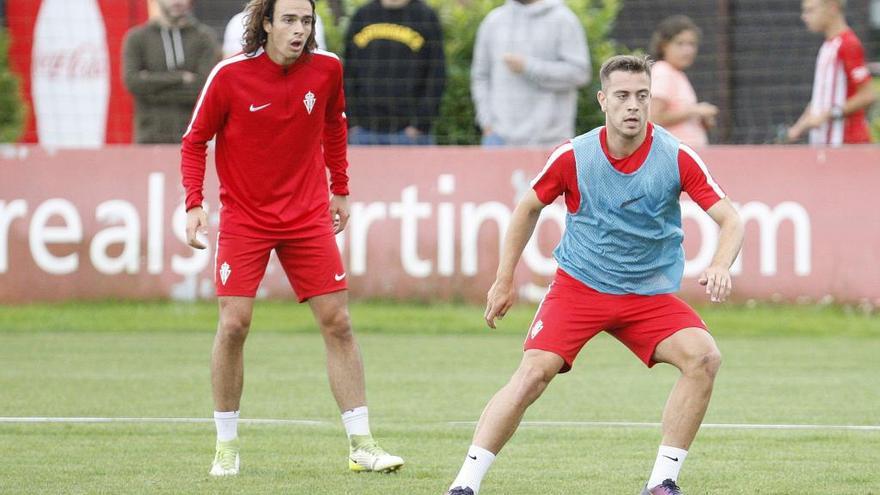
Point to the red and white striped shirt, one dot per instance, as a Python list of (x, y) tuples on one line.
[(277, 128), (840, 70), (559, 176)]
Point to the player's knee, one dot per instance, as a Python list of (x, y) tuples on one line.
[(530, 382), (336, 324), (235, 327), (712, 362), (707, 363)]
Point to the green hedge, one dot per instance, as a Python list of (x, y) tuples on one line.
[(11, 104), (457, 124)]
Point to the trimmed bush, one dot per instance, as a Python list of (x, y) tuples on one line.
[(11, 104)]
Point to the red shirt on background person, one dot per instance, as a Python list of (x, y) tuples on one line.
[(842, 89)]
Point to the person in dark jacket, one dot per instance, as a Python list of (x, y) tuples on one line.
[(395, 72), (166, 62)]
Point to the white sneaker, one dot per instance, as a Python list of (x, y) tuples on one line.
[(366, 455), (226, 460)]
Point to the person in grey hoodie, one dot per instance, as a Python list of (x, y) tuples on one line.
[(530, 58)]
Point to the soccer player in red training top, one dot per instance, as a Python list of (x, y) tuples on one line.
[(278, 112), (842, 90), (620, 259)]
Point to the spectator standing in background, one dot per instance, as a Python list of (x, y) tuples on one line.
[(530, 58), (842, 89), (233, 35), (165, 63), (674, 103), (395, 72)]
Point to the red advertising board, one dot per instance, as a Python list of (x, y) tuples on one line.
[(425, 224)]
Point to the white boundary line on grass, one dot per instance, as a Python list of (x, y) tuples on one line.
[(719, 426), (558, 424), (306, 422)]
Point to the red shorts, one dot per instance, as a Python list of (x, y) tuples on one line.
[(313, 265), (572, 313)]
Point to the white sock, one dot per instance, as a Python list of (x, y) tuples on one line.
[(476, 464), (667, 465), (227, 425), (356, 421)]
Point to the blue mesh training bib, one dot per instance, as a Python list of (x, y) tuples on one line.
[(625, 237)]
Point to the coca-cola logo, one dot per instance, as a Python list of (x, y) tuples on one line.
[(83, 61)]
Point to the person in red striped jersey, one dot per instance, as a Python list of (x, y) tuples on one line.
[(842, 89)]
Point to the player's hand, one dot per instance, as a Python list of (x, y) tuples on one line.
[(718, 283), (499, 301), (339, 212), (813, 121), (196, 223), (709, 122)]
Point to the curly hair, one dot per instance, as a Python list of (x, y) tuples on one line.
[(255, 35), (668, 29)]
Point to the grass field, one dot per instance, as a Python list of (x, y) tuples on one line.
[(430, 370)]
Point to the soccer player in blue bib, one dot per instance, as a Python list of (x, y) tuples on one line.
[(620, 262)]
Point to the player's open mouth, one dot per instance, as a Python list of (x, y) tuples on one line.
[(296, 45)]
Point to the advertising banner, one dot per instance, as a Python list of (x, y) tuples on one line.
[(68, 54), (425, 224)]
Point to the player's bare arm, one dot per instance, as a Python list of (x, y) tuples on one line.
[(799, 127), (661, 112), (716, 277), (863, 98), (522, 225), (339, 212), (196, 223)]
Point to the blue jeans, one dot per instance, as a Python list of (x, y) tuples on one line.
[(361, 136), (492, 141)]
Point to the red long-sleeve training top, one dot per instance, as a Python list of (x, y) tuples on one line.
[(277, 127)]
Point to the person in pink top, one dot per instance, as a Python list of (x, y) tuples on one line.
[(674, 103)]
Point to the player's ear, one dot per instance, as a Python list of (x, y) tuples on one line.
[(600, 96)]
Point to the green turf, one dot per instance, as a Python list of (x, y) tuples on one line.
[(388, 317), (427, 366)]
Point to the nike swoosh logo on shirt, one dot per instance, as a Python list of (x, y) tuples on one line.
[(257, 109), (339, 277), (631, 201)]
